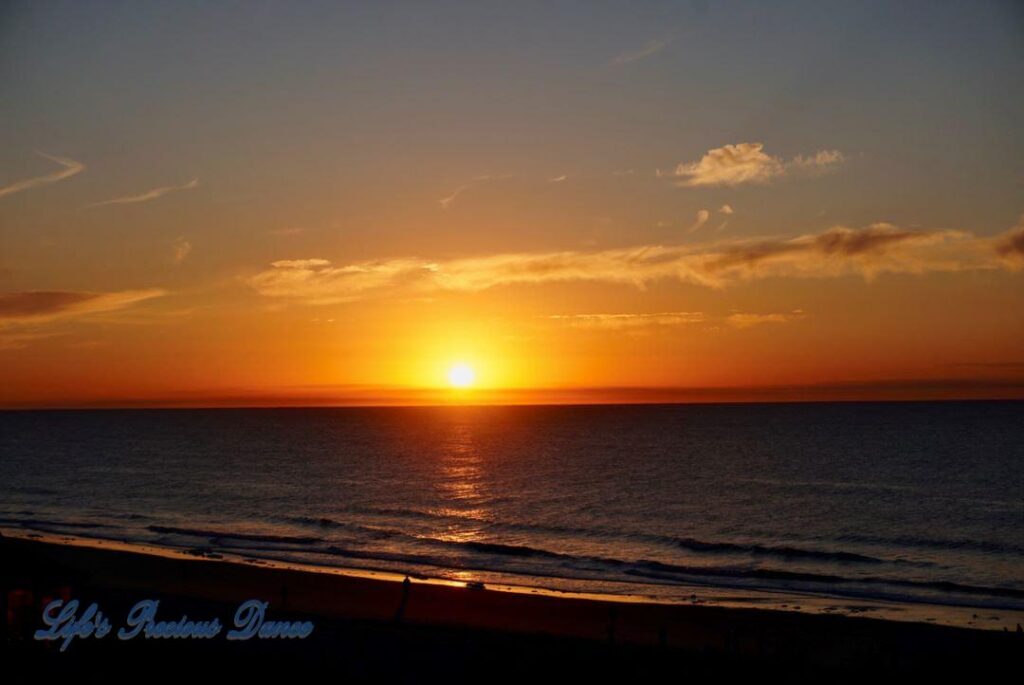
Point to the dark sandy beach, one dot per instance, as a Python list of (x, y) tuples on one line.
[(379, 629)]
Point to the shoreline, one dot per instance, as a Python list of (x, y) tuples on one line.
[(806, 603), (382, 614)]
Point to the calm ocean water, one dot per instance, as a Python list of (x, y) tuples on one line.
[(917, 501)]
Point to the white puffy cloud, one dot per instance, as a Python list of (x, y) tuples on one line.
[(741, 163)]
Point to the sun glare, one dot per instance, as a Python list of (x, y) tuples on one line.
[(461, 376)]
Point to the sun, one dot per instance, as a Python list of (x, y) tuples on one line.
[(461, 376)]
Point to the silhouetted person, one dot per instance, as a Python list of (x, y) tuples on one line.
[(405, 598)]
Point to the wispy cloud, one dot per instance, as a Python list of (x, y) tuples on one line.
[(70, 168), (558, 179), (726, 209), (748, 320), (21, 339), (700, 219), (840, 251), (182, 248), (627, 321), (41, 306), (649, 48), (446, 201), (146, 196), (821, 161), (732, 165), (633, 321)]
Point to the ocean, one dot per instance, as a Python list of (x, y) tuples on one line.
[(906, 502)]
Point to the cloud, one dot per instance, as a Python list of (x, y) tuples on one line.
[(820, 161), (182, 248), (733, 165), (730, 165), (867, 244), (317, 281), (700, 220), (42, 306), (745, 320), (446, 202), (557, 179), (20, 340), (146, 196), (300, 263), (727, 212), (1010, 246), (840, 251), (616, 322), (627, 321), (71, 167), (649, 48)]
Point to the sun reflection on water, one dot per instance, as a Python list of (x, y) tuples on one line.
[(461, 489)]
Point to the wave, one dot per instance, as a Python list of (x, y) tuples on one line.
[(324, 522), (506, 550), (783, 551), (986, 546), (608, 567), (691, 544), (222, 534), (526, 551), (45, 523), (536, 561), (402, 512), (660, 571)]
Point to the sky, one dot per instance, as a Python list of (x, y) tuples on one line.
[(289, 203)]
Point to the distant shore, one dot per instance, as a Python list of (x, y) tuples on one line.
[(369, 619)]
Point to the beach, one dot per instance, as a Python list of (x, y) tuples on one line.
[(375, 626)]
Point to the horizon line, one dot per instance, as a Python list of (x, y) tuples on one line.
[(850, 393), (457, 405)]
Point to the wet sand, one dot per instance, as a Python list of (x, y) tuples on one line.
[(375, 627)]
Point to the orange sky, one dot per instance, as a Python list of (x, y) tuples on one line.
[(334, 207)]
